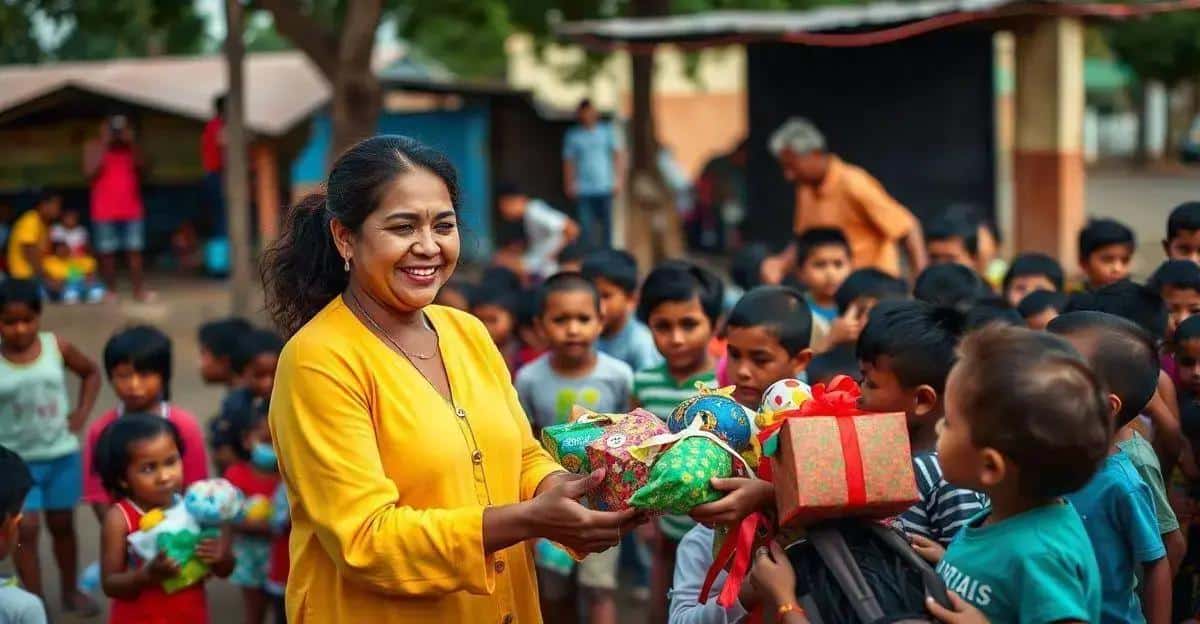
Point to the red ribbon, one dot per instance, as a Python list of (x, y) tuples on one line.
[(738, 548), (839, 399)]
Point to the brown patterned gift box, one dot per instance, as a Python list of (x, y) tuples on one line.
[(625, 475)]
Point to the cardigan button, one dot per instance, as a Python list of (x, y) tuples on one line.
[(462, 413), (477, 457), (499, 567)]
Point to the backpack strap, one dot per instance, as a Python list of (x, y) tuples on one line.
[(831, 546), (935, 587)]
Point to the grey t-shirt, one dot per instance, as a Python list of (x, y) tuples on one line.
[(548, 397), (18, 606), (543, 234)]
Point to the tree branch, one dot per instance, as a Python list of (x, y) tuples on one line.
[(358, 33), (306, 33)]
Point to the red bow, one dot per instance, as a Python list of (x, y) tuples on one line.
[(837, 398), (738, 547)]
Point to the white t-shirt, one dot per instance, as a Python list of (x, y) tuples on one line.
[(543, 235), (76, 238)]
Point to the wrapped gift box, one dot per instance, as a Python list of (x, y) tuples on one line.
[(567, 443), (849, 464), (625, 475)]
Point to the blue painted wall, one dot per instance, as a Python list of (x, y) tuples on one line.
[(462, 135)]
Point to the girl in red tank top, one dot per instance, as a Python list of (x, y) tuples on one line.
[(138, 458)]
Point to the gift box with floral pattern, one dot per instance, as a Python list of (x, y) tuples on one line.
[(624, 474)]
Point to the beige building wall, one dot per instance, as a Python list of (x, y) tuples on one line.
[(697, 117)]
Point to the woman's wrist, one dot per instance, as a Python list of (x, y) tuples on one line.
[(506, 525)]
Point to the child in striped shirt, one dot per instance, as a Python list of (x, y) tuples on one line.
[(906, 351), (681, 304)]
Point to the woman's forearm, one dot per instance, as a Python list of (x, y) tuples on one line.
[(505, 526)]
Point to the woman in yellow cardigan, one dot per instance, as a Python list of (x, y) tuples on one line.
[(411, 471)]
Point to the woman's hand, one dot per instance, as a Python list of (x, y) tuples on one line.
[(929, 550), (743, 497), (773, 575), (556, 514), (962, 613)]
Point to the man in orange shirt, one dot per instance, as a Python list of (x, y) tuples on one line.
[(833, 193)]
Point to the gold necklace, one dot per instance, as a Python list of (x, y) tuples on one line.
[(387, 336)]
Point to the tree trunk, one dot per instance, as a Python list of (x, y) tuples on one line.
[(237, 203), (1141, 153), (357, 95), (653, 224)]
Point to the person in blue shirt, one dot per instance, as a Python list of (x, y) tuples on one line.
[(1117, 505), (593, 163), (615, 275), (1026, 422)]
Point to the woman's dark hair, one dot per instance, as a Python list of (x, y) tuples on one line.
[(677, 280), (21, 291), (302, 271), (112, 448), (780, 310), (143, 347), (1032, 397)]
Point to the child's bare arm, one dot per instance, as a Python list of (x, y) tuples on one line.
[(1156, 592), (1168, 434), (116, 578), (89, 386), (1176, 549)]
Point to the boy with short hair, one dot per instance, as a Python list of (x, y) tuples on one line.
[(1106, 249), (951, 239), (1030, 272), (906, 351), (861, 291), (573, 373), (953, 285), (546, 230), (1026, 422), (17, 606), (1040, 307), (615, 275), (822, 264), (1178, 283), (1124, 358), (1183, 232), (252, 362), (681, 303), (1117, 506)]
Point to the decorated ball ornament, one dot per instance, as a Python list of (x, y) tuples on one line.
[(718, 413), (781, 396), (213, 501)]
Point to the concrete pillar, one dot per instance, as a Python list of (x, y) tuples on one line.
[(1048, 166)]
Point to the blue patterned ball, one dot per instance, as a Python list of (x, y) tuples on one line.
[(718, 414), (213, 501)]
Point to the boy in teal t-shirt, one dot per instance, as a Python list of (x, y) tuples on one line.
[(1025, 423)]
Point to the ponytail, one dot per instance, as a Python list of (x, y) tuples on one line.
[(302, 270)]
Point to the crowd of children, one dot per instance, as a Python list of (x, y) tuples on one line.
[(140, 455)]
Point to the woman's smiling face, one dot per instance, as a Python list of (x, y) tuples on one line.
[(408, 247)]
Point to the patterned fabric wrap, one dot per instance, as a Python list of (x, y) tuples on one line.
[(624, 474), (680, 477), (719, 414), (841, 466)]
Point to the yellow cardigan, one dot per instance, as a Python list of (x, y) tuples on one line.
[(388, 482)]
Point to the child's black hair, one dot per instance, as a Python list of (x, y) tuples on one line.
[(1035, 264), (813, 238), (1128, 300), (745, 269), (949, 285), (1039, 301), (15, 485), (252, 345), (527, 308), (111, 459), (1102, 233), (574, 251), (921, 339), (990, 311), (1123, 356), (1033, 398), (500, 277), (954, 225), (1181, 274), (565, 282), (677, 280), (868, 283), (1189, 329), (508, 188), (24, 291), (1184, 217), (781, 311), (613, 265), (504, 298), (145, 348), (220, 337)]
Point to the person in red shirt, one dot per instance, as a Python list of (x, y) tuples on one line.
[(258, 479), (212, 157), (118, 217)]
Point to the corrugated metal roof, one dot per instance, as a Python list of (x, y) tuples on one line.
[(770, 23)]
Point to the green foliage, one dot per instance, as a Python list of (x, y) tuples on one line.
[(1164, 47), (16, 31)]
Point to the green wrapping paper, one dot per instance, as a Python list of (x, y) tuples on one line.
[(568, 442), (680, 478)]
